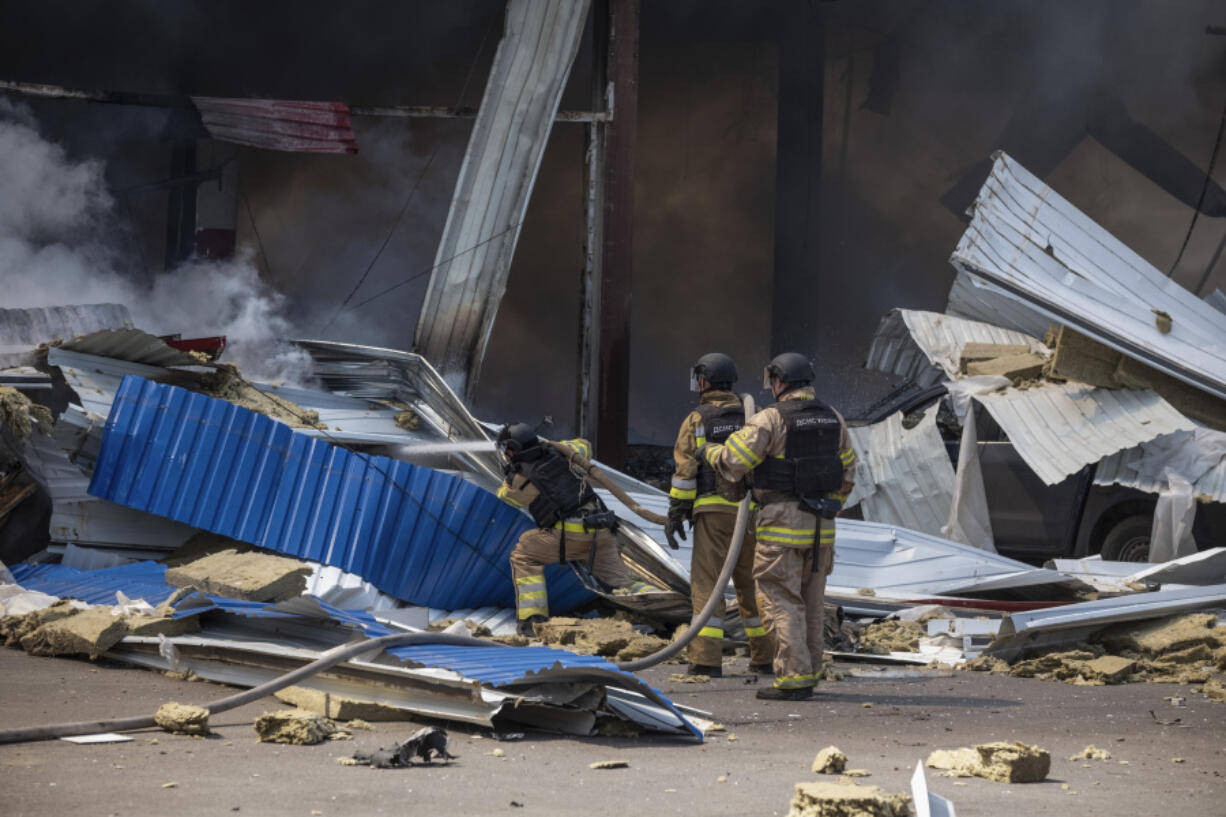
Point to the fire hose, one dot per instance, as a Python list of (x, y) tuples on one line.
[(717, 593)]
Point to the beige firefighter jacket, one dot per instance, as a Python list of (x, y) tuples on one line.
[(690, 438), (782, 524), (518, 492)]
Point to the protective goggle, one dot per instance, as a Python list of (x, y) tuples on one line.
[(694, 375), (767, 374)]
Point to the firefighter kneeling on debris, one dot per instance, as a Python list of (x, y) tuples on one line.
[(802, 463), (699, 495), (573, 524)]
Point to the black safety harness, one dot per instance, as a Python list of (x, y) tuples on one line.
[(560, 495)]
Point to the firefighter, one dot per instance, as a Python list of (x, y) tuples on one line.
[(572, 521), (802, 463), (709, 503)]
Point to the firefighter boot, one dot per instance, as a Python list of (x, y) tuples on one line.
[(777, 694), (702, 669), (527, 626)]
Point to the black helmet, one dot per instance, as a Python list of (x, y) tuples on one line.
[(516, 438), (791, 368), (717, 368)]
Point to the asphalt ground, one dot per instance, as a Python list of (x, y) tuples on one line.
[(884, 724)]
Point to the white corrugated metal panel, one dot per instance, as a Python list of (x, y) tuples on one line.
[(500, 166), (923, 346), (974, 298), (909, 470), (1026, 239), (1217, 300), (23, 329), (131, 345), (1059, 428), (1199, 457), (900, 563)]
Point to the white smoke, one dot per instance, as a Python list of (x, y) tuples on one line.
[(57, 247)]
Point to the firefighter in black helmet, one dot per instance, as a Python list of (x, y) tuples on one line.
[(803, 467), (571, 521), (709, 503)]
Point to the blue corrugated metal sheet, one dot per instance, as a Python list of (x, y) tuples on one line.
[(495, 665), (417, 534)]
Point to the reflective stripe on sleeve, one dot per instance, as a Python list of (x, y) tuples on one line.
[(642, 587), (848, 456), (742, 451), (579, 446), (503, 494)]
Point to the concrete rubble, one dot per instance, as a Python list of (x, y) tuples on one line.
[(847, 800)]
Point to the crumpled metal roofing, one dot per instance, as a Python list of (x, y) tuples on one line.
[(21, 330), (420, 535), (495, 665), (900, 563), (903, 476), (927, 346), (1144, 467), (132, 345), (1036, 250), (276, 124), (1059, 428)]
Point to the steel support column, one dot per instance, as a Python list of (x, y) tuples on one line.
[(613, 390), (594, 155), (797, 289)]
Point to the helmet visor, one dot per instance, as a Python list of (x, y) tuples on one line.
[(694, 387), (766, 378)]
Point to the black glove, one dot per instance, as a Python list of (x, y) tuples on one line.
[(679, 510)]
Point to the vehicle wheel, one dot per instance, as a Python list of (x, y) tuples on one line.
[(1128, 540)]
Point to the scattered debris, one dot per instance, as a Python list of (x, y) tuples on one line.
[(1000, 761), (422, 747), (182, 719), (359, 724), (1091, 752), (829, 761), (857, 773), (227, 383), (21, 416), (293, 726), (847, 800), (84, 632), (889, 636), (610, 764), (251, 576), (607, 637), (339, 707), (683, 678)]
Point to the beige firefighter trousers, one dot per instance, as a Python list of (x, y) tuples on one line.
[(793, 600), (539, 547), (712, 538)]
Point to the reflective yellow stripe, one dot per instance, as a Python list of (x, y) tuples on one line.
[(755, 632), (700, 441), (580, 446), (827, 538), (528, 612), (711, 632), (742, 452), (575, 527), (795, 681), (839, 497), (787, 536), (848, 457), (503, 495), (533, 595), (678, 493), (714, 499), (537, 579), (683, 484), (643, 587)]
